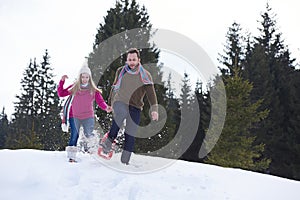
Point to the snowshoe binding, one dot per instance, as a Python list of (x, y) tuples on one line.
[(106, 147)]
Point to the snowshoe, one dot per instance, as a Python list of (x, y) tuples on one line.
[(71, 152), (92, 145), (106, 147), (72, 160)]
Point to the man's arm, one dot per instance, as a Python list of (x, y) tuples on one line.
[(151, 96)]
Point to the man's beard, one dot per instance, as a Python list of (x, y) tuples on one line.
[(132, 66)]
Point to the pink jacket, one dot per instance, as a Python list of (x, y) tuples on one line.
[(82, 104)]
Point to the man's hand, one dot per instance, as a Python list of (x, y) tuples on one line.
[(154, 116)]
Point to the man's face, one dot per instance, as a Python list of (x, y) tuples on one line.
[(132, 60)]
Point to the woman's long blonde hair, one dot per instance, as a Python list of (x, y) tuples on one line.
[(76, 86)]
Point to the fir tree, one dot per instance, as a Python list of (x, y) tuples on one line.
[(106, 58), (24, 124), (234, 50), (186, 93), (36, 122), (203, 99), (293, 126), (4, 128), (173, 106), (269, 67), (236, 147), (125, 26), (173, 113), (189, 119), (48, 108)]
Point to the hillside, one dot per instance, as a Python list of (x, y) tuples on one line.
[(36, 175)]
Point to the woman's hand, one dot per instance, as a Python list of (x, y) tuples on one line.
[(64, 77), (109, 109)]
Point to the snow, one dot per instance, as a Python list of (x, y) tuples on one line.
[(34, 174)]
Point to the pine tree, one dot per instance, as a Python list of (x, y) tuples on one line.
[(173, 103), (205, 103), (203, 99), (36, 122), (234, 50), (190, 118), (186, 93), (4, 128), (269, 67), (24, 124), (236, 147), (125, 26), (108, 56), (173, 113), (48, 108), (293, 125)]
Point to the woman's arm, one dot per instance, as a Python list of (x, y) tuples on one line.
[(61, 92), (100, 101)]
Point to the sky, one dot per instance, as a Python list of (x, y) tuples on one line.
[(34, 175), (67, 29)]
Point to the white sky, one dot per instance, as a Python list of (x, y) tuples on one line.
[(67, 28)]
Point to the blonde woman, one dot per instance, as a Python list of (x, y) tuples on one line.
[(83, 92)]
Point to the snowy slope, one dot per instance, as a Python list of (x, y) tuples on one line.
[(36, 175)]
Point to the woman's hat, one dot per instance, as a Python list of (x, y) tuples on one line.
[(85, 69)]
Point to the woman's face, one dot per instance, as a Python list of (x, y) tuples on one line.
[(84, 78)]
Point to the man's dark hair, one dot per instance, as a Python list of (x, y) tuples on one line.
[(134, 50)]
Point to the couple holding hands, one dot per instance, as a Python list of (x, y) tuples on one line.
[(132, 82)]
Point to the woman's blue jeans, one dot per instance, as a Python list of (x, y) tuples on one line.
[(124, 111), (88, 127)]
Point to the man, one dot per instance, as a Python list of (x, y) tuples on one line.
[(132, 82)]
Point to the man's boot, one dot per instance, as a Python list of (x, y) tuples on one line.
[(125, 157)]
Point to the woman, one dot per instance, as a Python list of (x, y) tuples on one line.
[(82, 94)]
